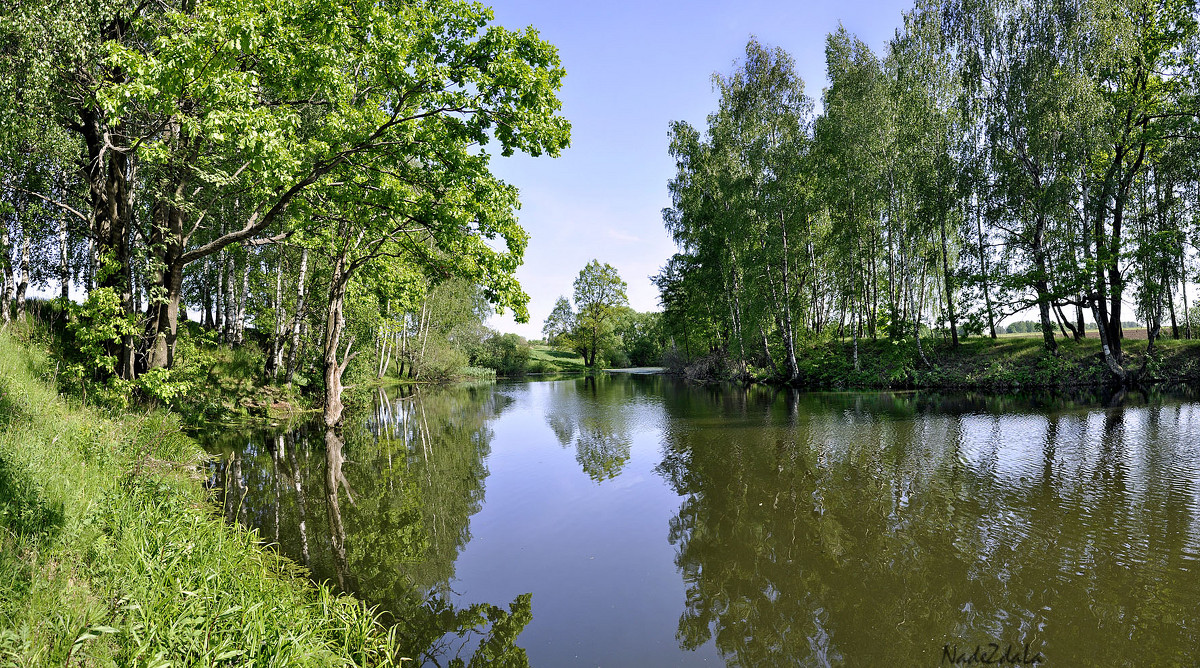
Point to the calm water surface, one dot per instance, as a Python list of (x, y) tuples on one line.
[(637, 521)]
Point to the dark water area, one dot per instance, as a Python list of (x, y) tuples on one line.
[(634, 520)]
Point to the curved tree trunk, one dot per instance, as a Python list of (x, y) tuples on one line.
[(335, 325)]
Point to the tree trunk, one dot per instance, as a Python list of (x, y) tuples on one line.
[(1099, 298), (987, 294), (64, 266), (230, 300), (207, 297), (89, 277), (9, 286), (1187, 317), (110, 175), (789, 339), (735, 308), (298, 320), (947, 281), (426, 316), (591, 361), (854, 332), (219, 295), (23, 277), (1044, 316), (164, 320), (1065, 324), (280, 330), (1041, 285), (1171, 305), (770, 364), (1115, 280), (239, 330), (163, 328), (335, 325), (134, 290), (917, 321), (1110, 359), (1153, 327)]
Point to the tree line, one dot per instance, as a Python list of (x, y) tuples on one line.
[(1000, 157), (311, 169)]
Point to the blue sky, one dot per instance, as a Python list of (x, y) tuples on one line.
[(632, 67)]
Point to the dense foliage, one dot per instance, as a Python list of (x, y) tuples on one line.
[(998, 158), (305, 173)]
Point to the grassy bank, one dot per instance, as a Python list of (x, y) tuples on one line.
[(546, 359), (1014, 362), (111, 554)]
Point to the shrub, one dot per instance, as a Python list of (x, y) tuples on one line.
[(442, 363), (508, 354)]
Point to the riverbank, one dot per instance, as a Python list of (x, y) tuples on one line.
[(978, 363), (111, 552)]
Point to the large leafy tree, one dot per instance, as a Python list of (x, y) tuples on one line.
[(1143, 73), (761, 133), (235, 120), (852, 141), (742, 205), (599, 294)]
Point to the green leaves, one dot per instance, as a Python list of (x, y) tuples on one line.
[(599, 293)]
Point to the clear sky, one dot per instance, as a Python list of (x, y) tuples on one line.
[(632, 68)]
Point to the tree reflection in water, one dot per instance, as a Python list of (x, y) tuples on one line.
[(398, 495), (808, 529), (593, 416), (874, 529)]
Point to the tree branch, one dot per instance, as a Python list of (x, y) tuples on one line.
[(60, 205)]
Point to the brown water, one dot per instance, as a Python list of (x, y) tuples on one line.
[(658, 524)]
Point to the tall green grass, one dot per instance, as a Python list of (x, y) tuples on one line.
[(111, 554)]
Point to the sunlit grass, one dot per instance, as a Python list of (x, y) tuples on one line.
[(111, 554), (555, 360)]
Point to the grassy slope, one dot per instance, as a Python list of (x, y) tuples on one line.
[(555, 359), (980, 362), (111, 554)]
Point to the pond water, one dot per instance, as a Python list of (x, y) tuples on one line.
[(634, 520)]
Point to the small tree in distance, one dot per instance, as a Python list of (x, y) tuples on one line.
[(559, 323)]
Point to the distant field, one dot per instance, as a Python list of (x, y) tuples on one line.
[(553, 360), (1138, 334)]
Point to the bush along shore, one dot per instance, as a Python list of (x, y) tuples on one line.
[(112, 554), (978, 363)]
